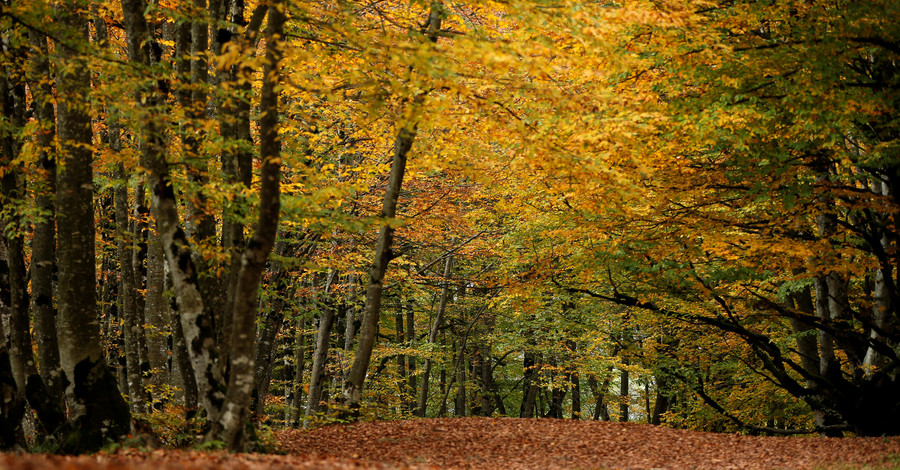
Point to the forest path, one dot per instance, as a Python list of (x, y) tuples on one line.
[(503, 443)]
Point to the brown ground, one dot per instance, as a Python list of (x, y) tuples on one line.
[(507, 444)]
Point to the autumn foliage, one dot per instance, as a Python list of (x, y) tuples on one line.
[(289, 214)]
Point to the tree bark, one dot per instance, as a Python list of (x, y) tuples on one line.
[(432, 338), (299, 366), (624, 392), (320, 356), (43, 255), (405, 137), (236, 411), (197, 326), (96, 407)]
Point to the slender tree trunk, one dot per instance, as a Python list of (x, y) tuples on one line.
[(12, 406), (299, 366), (432, 338), (601, 410), (320, 356), (576, 394), (350, 326), (127, 295), (461, 403), (265, 351), (405, 137), (624, 392), (236, 412), (411, 403)]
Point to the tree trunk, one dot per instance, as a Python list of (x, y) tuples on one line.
[(624, 392), (12, 407), (197, 326), (576, 394), (128, 295), (43, 255), (236, 411), (530, 388), (432, 338), (156, 315), (601, 411), (96, 407), (323, 340), (299, 366), (405, 137)]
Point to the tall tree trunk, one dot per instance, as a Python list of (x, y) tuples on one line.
[(405, 137), (236, 411), (96, 407), (198, 327), (601, 410), (461, 403), (12, 406), (43, 254), (128, 295), (15, 295), (575, 381)]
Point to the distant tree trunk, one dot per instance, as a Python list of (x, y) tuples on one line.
[(461, 402), (663, 399), (128, 295), (401, 358), (350, 326), (265, 349), (411, 360), (530, 388), (576, 394), (601, 411), (96, 407), (323, 340), (432, 338), (299, 366), (624, 392), (442, 410), (557, 395)]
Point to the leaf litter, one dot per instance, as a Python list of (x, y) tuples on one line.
[(502, 443)]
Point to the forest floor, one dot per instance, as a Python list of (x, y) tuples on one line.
[(502, 443)]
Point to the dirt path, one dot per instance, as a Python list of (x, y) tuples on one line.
[(507, 444)]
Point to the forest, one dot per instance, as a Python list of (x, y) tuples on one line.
[(223, 217)]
